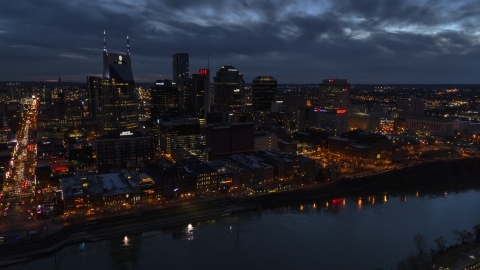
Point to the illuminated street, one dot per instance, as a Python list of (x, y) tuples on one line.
[(19, 206)]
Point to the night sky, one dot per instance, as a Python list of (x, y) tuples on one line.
[(296, 41)]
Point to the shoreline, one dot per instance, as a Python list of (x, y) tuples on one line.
[(99, 230), (422, 175)]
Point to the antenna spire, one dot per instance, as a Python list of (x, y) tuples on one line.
[(208, 61), (128, 46), (105, 41)]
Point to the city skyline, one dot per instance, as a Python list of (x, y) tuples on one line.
[(295, 42)]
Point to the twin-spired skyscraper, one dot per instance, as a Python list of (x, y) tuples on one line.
[(118, 108)]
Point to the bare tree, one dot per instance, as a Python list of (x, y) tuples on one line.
[(440, 244), (410, 262), (476, 231), (463, 236), (420, 244)]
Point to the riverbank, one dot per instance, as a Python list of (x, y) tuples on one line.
[(441, 175), (435, 176), (107, 228)]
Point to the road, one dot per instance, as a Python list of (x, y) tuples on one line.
[(18, 207)]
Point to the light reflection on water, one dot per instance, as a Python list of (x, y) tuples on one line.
[(347, 233), (189, 232)]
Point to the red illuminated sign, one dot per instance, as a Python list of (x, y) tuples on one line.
[(203, 71), (345, 89), (341, 111), (330, 80)]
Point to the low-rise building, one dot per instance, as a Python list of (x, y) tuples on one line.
[(430, 126), (359, 144), (104, 191), (288, 166)]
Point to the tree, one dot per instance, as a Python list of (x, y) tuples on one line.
[(410, 262), (476, 231), (440, 244), (463, 236), (420, 244)]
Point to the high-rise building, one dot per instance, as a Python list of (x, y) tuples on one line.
[(263, 92), (334, 94), (118, 103), (180, 65), (94, 84), (335, 121), (200, 84), (179, 134), (165, 98), (165, 105), (181, 76), (228, 88), (333, 100)]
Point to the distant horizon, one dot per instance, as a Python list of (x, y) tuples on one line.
[(379, 42), (249, 83)]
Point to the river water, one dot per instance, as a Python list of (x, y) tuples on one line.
[(334, 234)]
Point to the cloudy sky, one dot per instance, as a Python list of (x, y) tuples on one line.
[(296, 41)]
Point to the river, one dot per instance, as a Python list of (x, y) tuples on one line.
[(345, 233)]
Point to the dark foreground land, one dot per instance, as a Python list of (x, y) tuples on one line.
[(440, 175)]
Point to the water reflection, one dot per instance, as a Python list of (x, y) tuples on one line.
[(189, 232), (346, 239), (125, 252)]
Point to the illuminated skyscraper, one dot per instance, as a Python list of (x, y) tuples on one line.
[(165, 104), (94, 85), (180, 65), (334, 94), (200, 84), (164, 101), (228, 88), (263, 92), (332, 110), (118, 103), (181, 76)]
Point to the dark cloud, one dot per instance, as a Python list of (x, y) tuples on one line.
[(368, 41)]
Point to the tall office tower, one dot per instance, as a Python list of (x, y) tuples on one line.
[(228, 87), (334, 94), (118, 102), (181, 76), (263, 92), (94, 85), (200, 84), (180, 66), (333, 100), (164, 101), (164, 105)]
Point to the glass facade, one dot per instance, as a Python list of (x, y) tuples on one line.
[(263, 92)]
